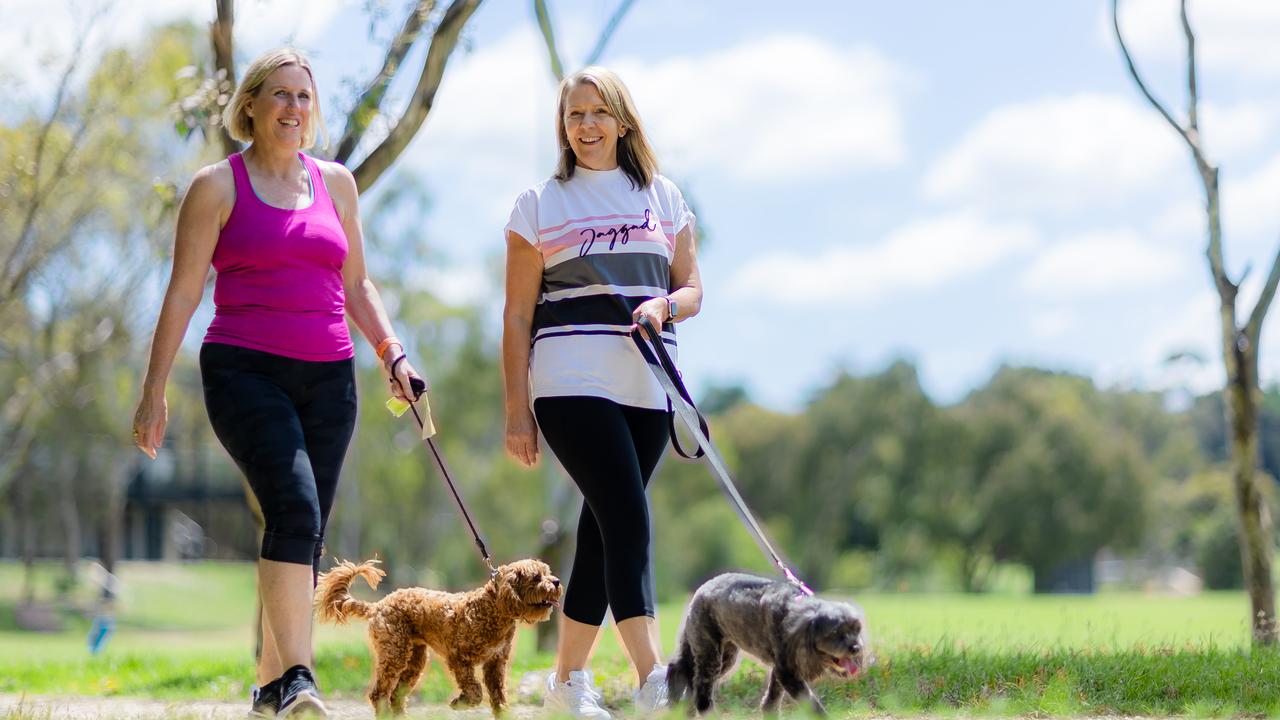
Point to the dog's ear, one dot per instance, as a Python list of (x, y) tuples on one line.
[(508, 599), (822, 625)]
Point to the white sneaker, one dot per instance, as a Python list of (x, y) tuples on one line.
[(577, 698), (653, 694)]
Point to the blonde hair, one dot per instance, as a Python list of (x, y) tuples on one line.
[(635, 155), (236, 115)]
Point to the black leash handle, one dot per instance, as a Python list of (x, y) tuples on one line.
[(657, 356), (418, 386), (659, 361)]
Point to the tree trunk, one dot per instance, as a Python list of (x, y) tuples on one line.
[(113, 512), (1254, 517), (68, 469)]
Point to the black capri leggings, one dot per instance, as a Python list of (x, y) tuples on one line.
[(610, 451), (287, 424)]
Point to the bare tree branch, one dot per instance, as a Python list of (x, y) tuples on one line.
[(1193, 100), (38, 193), (1142, 86), (1254, 327), (366, 108), (607, 33), (221, 35), (548, 35), (443, 41), (1208, 173)]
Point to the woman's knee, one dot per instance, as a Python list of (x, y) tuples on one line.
[(294, 528)]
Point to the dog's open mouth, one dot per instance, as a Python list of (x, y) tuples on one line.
[(847, 665), (548, 603)]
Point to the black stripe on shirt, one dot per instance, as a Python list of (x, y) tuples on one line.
[(605, 309), (648, 269)]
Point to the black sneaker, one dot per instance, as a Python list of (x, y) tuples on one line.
[(299, 694), (266, 700)]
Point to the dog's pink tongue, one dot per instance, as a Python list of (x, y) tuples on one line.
[(850, 666)]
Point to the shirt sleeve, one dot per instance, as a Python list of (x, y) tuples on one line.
[(524, 217), (681, 214)]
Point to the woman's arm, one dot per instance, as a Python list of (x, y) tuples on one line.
[(203, 212), (364, 305), (524, 278), (686, 285)]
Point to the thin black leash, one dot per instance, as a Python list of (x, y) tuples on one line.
[(664, 369), (419, 386)]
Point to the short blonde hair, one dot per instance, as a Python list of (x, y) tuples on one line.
[(635, 155), (236, 115)]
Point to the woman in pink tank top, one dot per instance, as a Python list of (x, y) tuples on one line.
[(282, 230)]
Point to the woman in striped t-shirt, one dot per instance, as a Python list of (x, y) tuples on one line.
[(604, 241)]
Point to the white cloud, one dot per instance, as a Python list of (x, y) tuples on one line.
[(1058, 153), (1237, 36), (1229, 131), (491, 124), (1182, 220), (1251, 204), (919, 256), (776, 108), (1051, 324), (1101, 263)]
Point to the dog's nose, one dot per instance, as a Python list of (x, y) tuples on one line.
[(555, 581)]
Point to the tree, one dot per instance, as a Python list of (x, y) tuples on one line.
[(1239, 342), (1056, 479), (94, 206)]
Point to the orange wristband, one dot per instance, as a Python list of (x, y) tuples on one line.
[(386, 343)]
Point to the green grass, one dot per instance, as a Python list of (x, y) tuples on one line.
[(183, 631)]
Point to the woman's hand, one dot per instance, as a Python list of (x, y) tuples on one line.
[(522, 437), (398, 373), (149, 422), (656, 309)]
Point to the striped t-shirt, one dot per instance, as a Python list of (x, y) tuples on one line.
[(606, 248)]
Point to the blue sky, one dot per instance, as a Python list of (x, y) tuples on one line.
[(960, 184)]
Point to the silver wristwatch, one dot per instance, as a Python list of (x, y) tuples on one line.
[(671, 308)]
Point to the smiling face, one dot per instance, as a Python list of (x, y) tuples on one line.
[(591, 128), (282, 107)]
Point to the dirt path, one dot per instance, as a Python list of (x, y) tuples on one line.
[(45, 707)]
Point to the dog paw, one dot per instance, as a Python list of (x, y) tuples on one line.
[(462, 701)]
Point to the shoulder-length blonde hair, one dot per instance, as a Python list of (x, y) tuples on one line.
[(236, 116), (635, 155)]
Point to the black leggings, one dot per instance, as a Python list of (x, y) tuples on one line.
[(287, 424), (610, 451)]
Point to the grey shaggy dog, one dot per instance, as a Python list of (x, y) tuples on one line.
[(799, 636)]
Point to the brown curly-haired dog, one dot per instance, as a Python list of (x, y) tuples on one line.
[(465, 629)]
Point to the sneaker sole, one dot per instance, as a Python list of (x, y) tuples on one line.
[(304, 704)]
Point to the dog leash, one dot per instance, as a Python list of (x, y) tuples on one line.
[(664, 369), (419, 388)]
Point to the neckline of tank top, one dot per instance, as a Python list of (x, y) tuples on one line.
[(311, 186)]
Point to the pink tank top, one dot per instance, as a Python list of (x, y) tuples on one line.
[(279, 285)]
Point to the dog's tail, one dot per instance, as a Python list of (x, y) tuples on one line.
[(333, 591), (680, 672)]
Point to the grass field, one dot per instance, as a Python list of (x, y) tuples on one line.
[(183, 630)]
